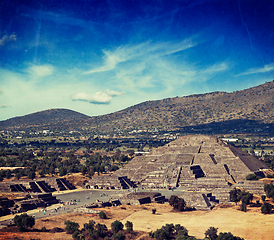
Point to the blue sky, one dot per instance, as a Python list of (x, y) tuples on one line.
[(98, 57)]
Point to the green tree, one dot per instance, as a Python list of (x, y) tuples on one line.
[(266, 208), (246, 197), (235, 195), (177, 203), (228, 236), (116, 226), (71, 227), (101, 230), (252, 176), (161, 234), (78, 236), (31, 175), (211, 233), (89, 226), (24, 221), (243, 207), (180, 230), (62, 172), (102, 215), (269, 189), (18, 175), (169, 228), (118, 236), (129, 226)]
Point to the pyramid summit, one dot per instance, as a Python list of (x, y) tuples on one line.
[(199, 164)]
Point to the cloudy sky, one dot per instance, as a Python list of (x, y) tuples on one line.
[(98, 57)]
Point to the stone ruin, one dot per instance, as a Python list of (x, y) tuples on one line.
[(41, 185), (204, 168), (29, 202), (38, 194), (138, 198)]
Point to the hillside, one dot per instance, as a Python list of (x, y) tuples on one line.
[(253, 104), (48, 119), (256, 104)]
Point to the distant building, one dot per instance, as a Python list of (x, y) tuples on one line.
[(230, 139)]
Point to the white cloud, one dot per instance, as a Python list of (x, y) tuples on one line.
[(40, 71), (7, 38), (218, 67), (139, 52), (112, 93), (97, 98), (265, 69)]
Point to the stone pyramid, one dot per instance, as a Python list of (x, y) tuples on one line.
[(194, 163)]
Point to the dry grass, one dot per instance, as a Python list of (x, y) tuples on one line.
[(250, 225)]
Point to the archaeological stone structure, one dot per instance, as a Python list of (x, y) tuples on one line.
[(38, 193), (41, 185), (204, 168)]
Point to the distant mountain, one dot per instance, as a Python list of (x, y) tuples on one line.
[(253, 104), (48, 119)]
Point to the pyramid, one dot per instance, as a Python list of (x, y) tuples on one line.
[(194, 164)]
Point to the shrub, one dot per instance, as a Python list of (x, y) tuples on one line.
[(161, 234), (266, 208), (246, 197), (89, 226), (153, 211), (252, 177), (235, 195), (269, 189), (71, 227), (263, 197), (180, 230), (43, 229), (228, 236), (168, 228), (129, 226), (102, 215), (116, 226), (101, 230), (243, 207), (118, 236), (177, 203), (78, 236), (24, 221), (211, 233)]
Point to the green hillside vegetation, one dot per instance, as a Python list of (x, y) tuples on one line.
[(253, 104)]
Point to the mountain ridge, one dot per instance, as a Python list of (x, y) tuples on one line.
[(256, 103)]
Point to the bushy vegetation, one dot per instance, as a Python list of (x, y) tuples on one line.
[(269, 161), (24, 221), (71, 227), (177, 203), (129, 226), (237, 195), (37, 162), (116, 226), (169, 231), (252, 176), (178, 232), (269, 189), (94, 231), (266, 208), (102, 215)]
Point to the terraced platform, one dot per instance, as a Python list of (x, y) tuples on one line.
[(202, 164)]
